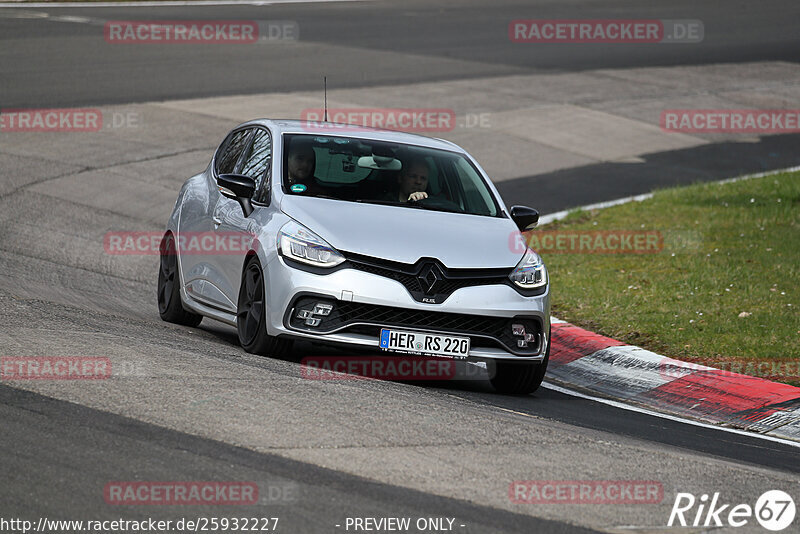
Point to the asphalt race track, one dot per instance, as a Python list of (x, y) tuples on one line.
[(42, 56), (191, 405)]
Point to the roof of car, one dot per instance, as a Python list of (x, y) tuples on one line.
[(281, 126)]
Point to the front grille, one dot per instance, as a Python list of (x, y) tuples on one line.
[(368, 318), (408, 280), (448, 280)]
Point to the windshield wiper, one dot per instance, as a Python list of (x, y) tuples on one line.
[(381, 202), (321, 196), (434, 208), (409, 204)]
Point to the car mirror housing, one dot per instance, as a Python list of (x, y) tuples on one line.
[(239, 188), (525, 218)]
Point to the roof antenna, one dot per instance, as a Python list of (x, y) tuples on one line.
[(325, 82)]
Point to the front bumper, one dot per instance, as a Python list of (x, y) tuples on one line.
[(364, 302)]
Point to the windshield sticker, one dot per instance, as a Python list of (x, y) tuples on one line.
[(298, 188)]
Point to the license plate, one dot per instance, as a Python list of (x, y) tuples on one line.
[(424, 343)]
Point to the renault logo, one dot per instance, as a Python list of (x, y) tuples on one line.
[(430, 278)]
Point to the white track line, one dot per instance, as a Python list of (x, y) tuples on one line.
[(677, 419)]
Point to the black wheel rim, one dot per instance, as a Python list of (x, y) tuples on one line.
[(167, 274), (251, 304)]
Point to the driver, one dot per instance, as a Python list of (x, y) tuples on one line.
[(413, 180)]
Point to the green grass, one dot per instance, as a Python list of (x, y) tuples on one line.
[(728, 248)]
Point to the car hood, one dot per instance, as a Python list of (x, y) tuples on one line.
[(406, 234)]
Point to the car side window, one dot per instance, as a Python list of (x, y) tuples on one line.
[(257, 162), (231, 150), (479, 200)]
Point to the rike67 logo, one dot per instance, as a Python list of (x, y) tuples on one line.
[(774, 510)]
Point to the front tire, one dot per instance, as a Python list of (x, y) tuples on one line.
[(251, 315), (517, 378), (170, 307)]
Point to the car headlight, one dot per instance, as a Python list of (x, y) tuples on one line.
[(298, 243), (530, 272)]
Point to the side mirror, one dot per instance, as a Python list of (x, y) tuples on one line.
[(239, 188), (526, 218)]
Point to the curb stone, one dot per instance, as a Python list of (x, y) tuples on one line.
[(605, 367)]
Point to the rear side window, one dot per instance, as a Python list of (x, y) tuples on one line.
[(231, 150), (257, 162)]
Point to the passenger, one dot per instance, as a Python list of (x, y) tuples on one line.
[(413, 180)]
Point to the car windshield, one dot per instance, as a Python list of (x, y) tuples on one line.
[(368, 171)]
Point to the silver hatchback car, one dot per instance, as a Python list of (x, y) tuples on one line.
[(360, 238)]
